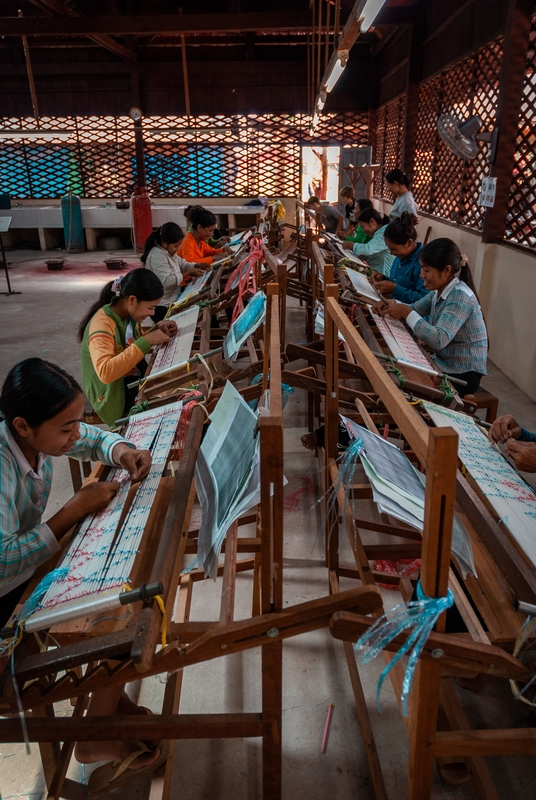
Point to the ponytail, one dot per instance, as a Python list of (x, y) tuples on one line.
[(188, 211), (441, 253), (371, 214), (397, 176), (401, 230), (169, 233), (140, 283), (36, 390)]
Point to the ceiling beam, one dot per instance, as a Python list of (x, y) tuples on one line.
[(57, 7), (183, 24)]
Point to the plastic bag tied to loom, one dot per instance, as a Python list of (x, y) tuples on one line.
[(249, 314), (286, 390), (419, 616), (345, 478)]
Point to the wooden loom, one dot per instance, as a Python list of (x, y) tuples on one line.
[(84, 654), (502, 571)]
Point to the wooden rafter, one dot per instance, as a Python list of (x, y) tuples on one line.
[(69, 24), (57, 7)]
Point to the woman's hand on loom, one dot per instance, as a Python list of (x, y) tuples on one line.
[(384, 286), (167, 326), (394, 310), (196, 272), (348, 245), (136, 462), (156, 337), (523, 455), (504, 428), (87, 500), (93, 497)]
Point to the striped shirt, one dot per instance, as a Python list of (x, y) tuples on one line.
[(26, 541), (453, 326)]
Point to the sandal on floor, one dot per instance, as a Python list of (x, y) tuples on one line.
[(112, 774), (453, 772)]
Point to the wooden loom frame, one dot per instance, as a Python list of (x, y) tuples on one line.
[(196, 642), (436, 450)]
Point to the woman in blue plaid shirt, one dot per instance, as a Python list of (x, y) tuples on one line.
[(448, 319)]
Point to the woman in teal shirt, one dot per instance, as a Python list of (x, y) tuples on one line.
[(375, 252)]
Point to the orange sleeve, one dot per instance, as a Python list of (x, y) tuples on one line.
[(108, 365), (190, 252), (210, 251)]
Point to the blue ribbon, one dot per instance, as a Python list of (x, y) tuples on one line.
[(419, 615)]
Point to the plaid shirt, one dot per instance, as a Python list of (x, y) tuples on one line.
[(25, 541), (453, 326)]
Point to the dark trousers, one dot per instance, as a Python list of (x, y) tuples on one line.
[(9, 601), (473, 382)]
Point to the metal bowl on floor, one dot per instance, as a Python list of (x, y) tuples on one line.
[(55, 263), (114, 263)]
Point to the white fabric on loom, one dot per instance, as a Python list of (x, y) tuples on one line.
[(399, 341), (227, 474), (399, 489), (511, 497), (179, 348), (362, 286)]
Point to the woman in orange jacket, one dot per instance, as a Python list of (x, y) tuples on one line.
[(194, 246)]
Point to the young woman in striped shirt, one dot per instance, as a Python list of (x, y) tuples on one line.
[(448, 319), (42, 407)]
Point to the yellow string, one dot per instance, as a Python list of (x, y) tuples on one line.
[(414, 402), (142, 384), (162, 608)]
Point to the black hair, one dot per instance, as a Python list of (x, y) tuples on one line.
[(36, 390), (370, 213), (201, 216), (189, 210), (169, 233), (142, 283), (396, 175), (401, 230), (313, 200), (440, 253), (364, 203)]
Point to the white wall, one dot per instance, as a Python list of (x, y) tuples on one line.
[(505, 278)]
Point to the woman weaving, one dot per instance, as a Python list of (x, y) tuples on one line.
[(42, 407), (113, 344), (448, 319)]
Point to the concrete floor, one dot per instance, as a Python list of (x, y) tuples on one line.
[(42, 321)]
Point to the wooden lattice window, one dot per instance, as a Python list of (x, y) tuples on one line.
[(444, 184), (206, 156), (520, 225), (388, 139)]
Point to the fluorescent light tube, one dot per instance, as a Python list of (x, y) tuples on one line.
[(336, 69), (369, 13)]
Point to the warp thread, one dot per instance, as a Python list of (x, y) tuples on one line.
[(292, 499), (527, 631), (419, 615), (246, 275)]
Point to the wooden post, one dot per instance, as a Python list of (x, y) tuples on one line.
[(516, 44), (442, 462), (411, 110), (331, 420)]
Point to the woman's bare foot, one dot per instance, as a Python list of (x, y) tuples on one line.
[(91, 752), (309, 441)]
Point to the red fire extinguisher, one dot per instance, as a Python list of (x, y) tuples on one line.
[(142, 221)]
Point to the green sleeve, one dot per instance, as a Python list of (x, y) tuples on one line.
[(143, 345)]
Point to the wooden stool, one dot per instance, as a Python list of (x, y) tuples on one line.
[(487, 400)]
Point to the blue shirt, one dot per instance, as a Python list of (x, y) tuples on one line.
[(527, 436), (406, 273)]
